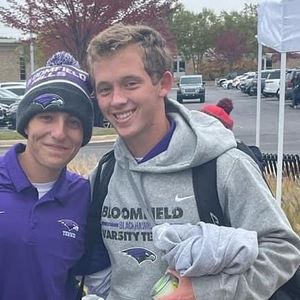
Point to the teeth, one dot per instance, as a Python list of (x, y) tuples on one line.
[(124, 115)]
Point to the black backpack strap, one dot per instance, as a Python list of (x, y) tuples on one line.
[(206, 193), (104, 171)]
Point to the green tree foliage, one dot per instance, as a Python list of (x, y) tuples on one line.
[(220, 39), (194, 34)]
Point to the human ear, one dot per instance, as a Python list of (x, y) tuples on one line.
[(166, 83)]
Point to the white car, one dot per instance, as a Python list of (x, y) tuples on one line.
[(227, 84), (236, 81), (272, 83)]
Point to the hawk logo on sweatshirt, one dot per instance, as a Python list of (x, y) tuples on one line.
[(70, 227), (140, 254), (46, 100)]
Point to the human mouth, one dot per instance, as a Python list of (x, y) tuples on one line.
[(57, 147), (124, 116)]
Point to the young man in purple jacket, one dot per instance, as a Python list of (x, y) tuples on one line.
[(43, 206)]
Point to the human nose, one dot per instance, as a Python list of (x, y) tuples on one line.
[(59, 129), (118, 96)]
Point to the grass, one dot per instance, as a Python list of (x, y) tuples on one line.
[(290, 202), (290, 189), (13, 135)]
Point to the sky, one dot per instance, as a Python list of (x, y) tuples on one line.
[(192, 5), (216, 5)]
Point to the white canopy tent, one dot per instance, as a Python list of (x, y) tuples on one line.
[(278, 28)]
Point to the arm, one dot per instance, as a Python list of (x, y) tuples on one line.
[(248, 203), (99, 283)]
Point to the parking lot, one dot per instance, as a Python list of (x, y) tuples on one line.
[(244, 115)]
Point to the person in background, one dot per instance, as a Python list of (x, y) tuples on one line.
[(43, 206), (221, 111), (159, 143), (296, 92)]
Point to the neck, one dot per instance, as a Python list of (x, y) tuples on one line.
[(36, 172), (141, 145)]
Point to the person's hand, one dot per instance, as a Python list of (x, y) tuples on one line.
[(184, 290)]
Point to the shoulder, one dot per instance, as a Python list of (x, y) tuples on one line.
[(234, 155), (76, 180), (235, 162), (4, 176)]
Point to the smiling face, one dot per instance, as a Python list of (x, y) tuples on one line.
[(129, 99), (54, 138)]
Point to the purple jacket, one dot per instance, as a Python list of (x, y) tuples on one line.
[(40, 239)]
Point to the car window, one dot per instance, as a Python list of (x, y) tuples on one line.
[(274, 75), (191, 80), (265, 74)]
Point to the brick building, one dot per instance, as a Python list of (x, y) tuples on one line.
[(12, 60)]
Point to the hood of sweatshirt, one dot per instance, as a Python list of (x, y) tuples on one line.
[(197, 139)]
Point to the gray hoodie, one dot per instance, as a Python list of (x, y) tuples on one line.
[(160, 190)]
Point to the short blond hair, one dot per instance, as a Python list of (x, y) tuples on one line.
[(157, 58)]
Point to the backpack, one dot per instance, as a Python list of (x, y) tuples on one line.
[(209, 210), (254, 152)]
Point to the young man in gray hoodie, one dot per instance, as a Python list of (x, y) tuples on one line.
[(159, 143)]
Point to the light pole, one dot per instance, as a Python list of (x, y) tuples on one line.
[(31, 53)]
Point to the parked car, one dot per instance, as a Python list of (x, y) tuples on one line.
[(236, 81), (227, 84), (291, 83), (19, 90), (7, 97), (12, 83), (243, 80), (220, 81), (191, 87), (272, 83), (3, 114), (251, 86), (11, 115)]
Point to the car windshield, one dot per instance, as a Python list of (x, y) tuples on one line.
[(191, 80), (7, 94), (18, 91)]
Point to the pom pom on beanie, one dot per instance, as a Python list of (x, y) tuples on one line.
[(226, 104), (62, 58)]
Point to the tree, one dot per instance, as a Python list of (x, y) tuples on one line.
[(231, 45), (70, 24), (235, 38), (194, 34)]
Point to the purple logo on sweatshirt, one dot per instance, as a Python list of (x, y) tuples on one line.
[(140, 254)]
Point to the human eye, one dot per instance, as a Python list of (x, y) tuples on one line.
[(132, 84), (74, 123), (103, 90), (45, 117)]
